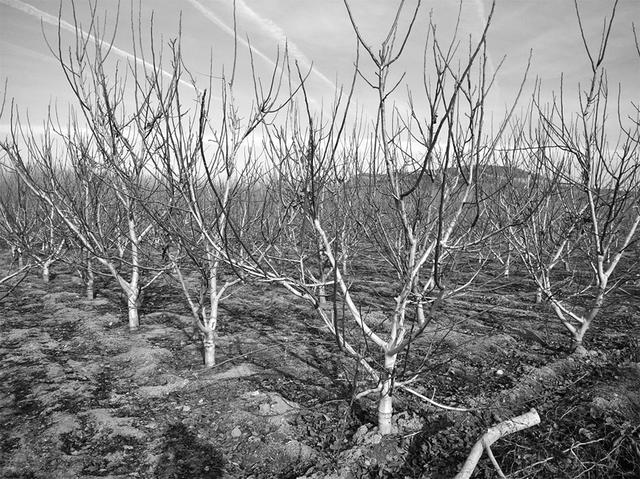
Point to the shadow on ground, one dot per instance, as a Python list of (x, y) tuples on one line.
[(184, 455)]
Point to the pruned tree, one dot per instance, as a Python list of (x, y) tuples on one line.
[(119, 143), (407, 189), (209, 173), (588, 188), (32, 229), (18, 224)]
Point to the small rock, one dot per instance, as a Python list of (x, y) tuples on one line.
[(599, 406), (360, 434), (236, 432), (186, 408), (298, 451), (499, 372)]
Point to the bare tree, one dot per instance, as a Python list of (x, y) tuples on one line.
[(16, 228), (30, 226), (408, 189), (588, 187), (209, 172), (118, 149)]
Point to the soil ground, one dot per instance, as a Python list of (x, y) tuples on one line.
[(81, 396)]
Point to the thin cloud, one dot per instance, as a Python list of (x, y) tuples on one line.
[(277, 33), (55, 21), (227, 29)]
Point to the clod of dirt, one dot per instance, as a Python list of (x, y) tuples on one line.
[(360, 434), (117, 426), (143, 361), (62, 423), (275, 408), (171, 384), (298, 451), (240, 371)]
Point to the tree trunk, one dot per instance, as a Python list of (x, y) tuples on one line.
[(322, 290), (578, 337), (132, 306), (90, 280), (507, 264), (209, 348), (46, 272), (134, 290), (18, 255), (385, 405), (322, 295)]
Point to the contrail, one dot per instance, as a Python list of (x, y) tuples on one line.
[(279, 35), (268, 26), (55, 21), (211, 16)]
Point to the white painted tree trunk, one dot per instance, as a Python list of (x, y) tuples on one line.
[(211, 323), (133, 290), (46, 273), (209, 348), (17, 254), (385, 404), (538, 295), (578, 337), (90, 279), (507, 264), (132, 308), (322, 289), (322, 295)]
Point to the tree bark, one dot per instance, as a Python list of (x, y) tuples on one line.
[(507, 264), (90, 280), (539, 296), (17, 253), (494, 433), (578, 337), (132, 307), (385, 405), (46, 276), (209, 349)]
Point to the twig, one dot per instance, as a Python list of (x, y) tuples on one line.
[(437, 404), (565, 451), (495, 463)]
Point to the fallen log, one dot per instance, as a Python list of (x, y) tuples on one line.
[(494, 433)]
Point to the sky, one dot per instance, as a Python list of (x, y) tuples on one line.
[(319, 37)]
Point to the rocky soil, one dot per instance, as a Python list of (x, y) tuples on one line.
[(82, 397)]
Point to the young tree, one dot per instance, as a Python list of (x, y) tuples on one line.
[(118, 147), (211, 174), (409, 192), (18, 224), (29, 225), (589, 191)]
